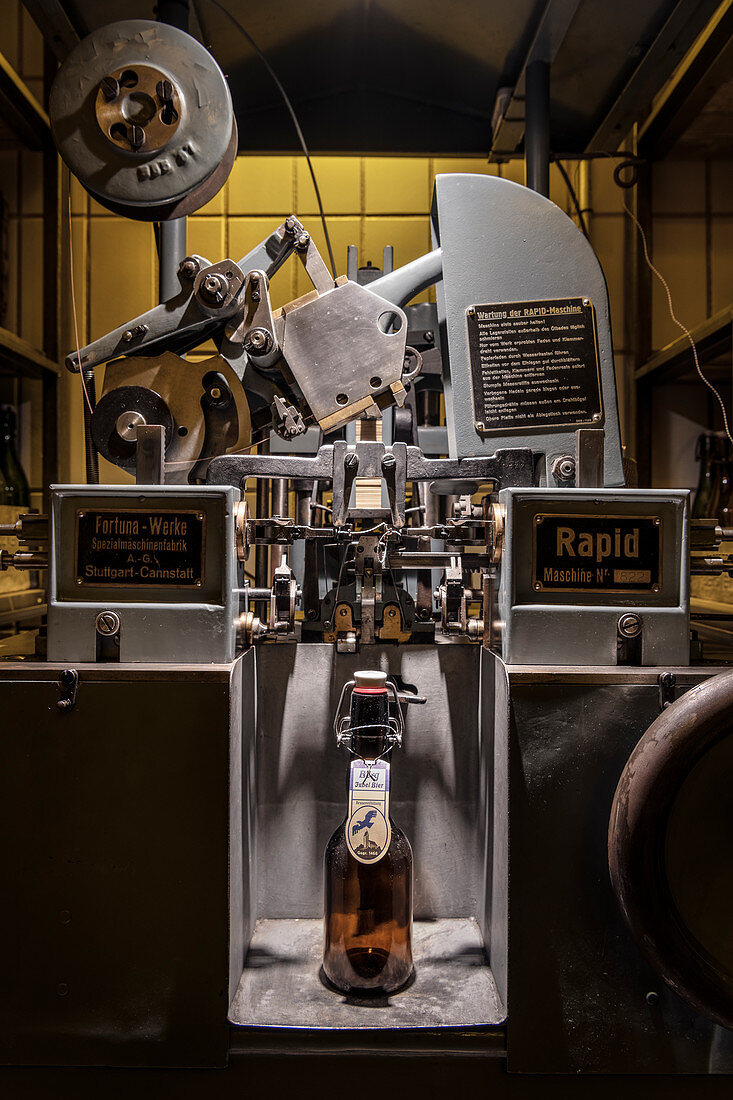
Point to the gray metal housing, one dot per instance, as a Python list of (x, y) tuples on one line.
[(581, 628), (502, 242), (158, 625)]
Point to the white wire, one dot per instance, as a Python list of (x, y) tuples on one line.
[(677, 322), (73, 305)]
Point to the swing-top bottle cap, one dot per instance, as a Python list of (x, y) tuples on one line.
[(370, 681)]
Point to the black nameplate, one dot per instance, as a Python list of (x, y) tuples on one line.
[(534, 365), (116, 547), (597, 553)]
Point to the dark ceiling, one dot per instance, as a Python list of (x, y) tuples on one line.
[(421, 76)]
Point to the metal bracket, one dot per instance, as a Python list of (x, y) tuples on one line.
[(505, 468), (342, 722), (667, 690), (68, 685)]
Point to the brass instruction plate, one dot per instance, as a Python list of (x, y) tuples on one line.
[(534, 365), (596, 553), (140, 548)]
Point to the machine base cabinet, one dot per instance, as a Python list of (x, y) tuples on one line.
[(162, 843)]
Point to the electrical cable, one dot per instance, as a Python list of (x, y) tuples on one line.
[(679, 323), (91, 458), (631, 164), (294, 117), (73, 306)]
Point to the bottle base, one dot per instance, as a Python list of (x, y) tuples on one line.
[(368, 969)]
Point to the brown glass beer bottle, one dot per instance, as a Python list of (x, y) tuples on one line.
[(368, 863)]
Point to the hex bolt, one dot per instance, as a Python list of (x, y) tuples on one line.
[(563, 468), (214, 288), (188, 268), (629, 625), (164, 91), (110, 88), (107, 623), (135, 135), (258, 341)]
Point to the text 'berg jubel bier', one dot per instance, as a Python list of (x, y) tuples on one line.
[(368, 864)]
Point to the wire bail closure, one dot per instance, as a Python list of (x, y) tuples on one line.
[(342, 722)]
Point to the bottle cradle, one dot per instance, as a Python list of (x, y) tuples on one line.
[(368, 896)]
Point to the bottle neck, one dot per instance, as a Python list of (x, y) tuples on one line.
[(369, 722)]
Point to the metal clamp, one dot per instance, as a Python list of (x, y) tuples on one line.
[(68, 685), (342, 722)]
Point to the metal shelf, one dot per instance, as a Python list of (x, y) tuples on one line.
[(22, 606), (713, 339), (17, 356)]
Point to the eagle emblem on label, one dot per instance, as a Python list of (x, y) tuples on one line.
[(368, 831)]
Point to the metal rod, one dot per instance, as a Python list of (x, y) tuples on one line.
[(537, 128), (90, 451), (173, 249), (172, 240), (403, 284), (279, 497), (262, 553)]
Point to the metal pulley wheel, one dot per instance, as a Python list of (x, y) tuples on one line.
[(670, 847), (117, 417), (142, 115)]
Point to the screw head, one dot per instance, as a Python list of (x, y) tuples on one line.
[(188, 268), (135, 135), (107, 623), (389, 462), (479, 425), (109, 87), (164, 91), (351, 461), (652, 997), (429, 336), (629, 625), (303, 241)]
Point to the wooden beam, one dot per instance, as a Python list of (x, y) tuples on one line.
[(21, 110)]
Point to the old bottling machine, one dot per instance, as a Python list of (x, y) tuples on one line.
[(167, 763)]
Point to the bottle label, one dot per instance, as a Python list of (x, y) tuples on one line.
[(368, 831)]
